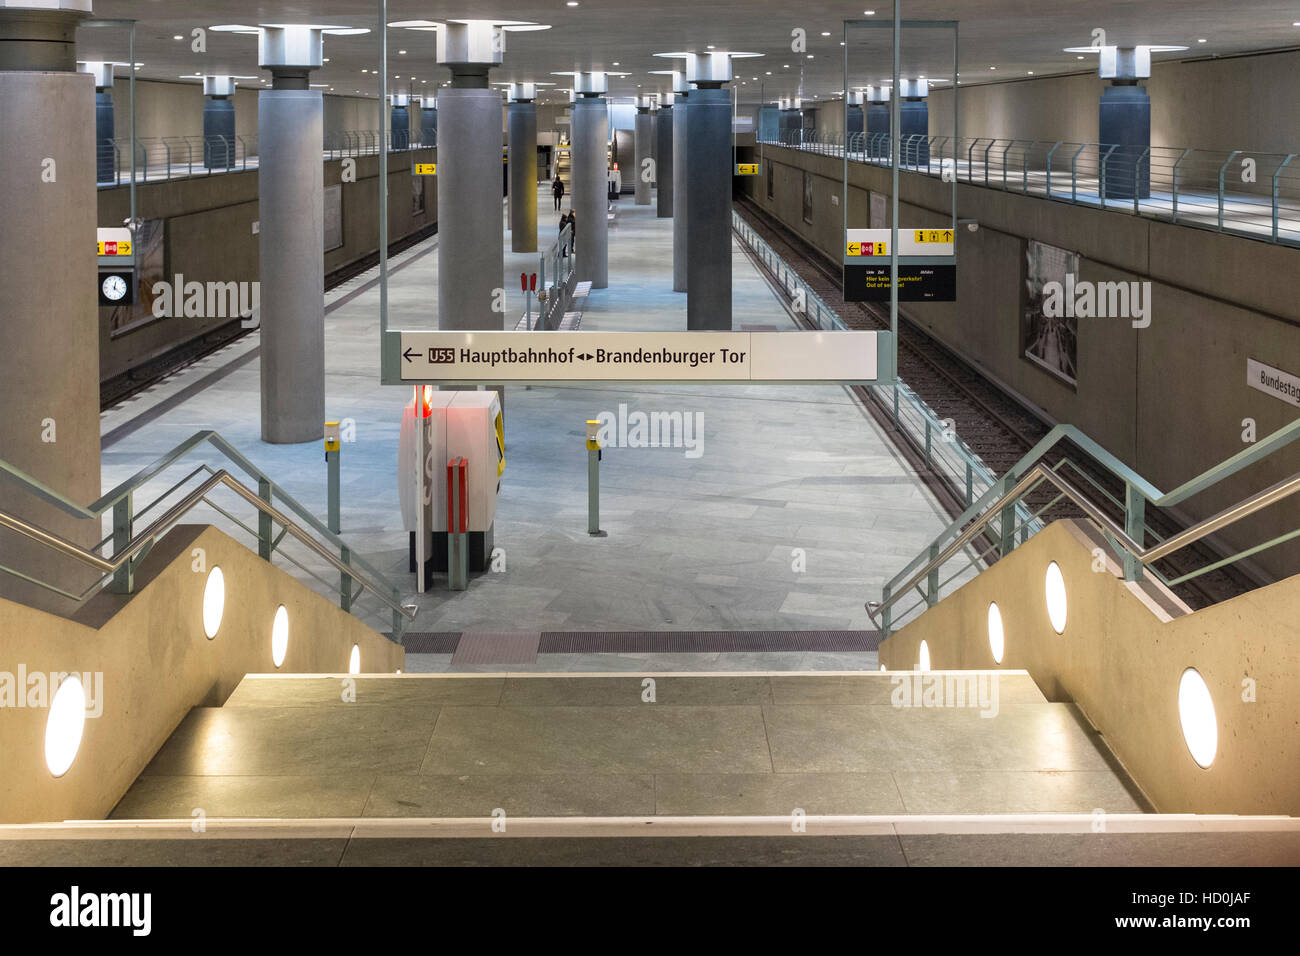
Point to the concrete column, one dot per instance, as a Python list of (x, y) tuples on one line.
[(218, 122), (589, 187), (105, 151), (664, 122), (914, 123), (49, 334), (291, 210), (791, 118), (681, 112), (1124, 121), (522, 143), (708, 181), (399, 123), (855, 120), (642, 147), (471, 248), (429, 123), (1124, 117), (878, 121)]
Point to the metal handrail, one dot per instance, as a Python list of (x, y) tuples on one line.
[(145, 540), (120, 499), (1039, 473)]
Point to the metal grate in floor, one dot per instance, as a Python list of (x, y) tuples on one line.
[(703, 642)]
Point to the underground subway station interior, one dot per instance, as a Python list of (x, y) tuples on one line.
[(551, 433)]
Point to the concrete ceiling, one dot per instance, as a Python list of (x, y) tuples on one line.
[(1000, 40)]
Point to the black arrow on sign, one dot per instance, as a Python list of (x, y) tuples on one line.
[(585, 356), (409, 355)]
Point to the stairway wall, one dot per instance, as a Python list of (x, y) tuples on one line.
[(1120, 660), (152, 662)]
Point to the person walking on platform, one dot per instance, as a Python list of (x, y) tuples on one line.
[(564, 221), (557, 190), (573, 231)]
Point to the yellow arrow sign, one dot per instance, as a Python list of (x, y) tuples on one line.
[(747, 169), (114, 248), (868, 248), (426, 169), (933, 235)]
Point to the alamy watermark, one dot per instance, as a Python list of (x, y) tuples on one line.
[(637, 429), (1102, 300), (977, 691), (207, 300), (36, 690)]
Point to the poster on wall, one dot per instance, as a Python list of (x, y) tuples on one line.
[(1049, 341), (417, 196), (334, 217), (879, 214), (150, 246), (807, 197)]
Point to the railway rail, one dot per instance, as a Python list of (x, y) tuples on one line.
[(996, 425)]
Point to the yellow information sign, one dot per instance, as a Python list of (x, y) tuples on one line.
[(868, 248), (114, 248), (747, 169), (426, 169), (933, 235)]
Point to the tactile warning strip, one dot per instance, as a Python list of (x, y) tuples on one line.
[(703, 642), (431, 642), (503, 649)]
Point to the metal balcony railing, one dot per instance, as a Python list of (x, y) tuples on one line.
[(160, 158), (1244, 192)]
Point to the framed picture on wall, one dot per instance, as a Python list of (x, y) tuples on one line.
[(417, 195), (333, 217), (771, 187), (879, 213), (1049, 340), (807, 197)]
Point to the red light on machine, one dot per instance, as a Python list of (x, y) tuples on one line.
[(428, 401), (532, 282)]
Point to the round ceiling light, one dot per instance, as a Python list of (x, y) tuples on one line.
[(280, 636), (1056, 603), (214, 602), (64, 726), (1196, 715), (997, 638)]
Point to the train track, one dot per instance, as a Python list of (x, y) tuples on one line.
[(155, 369), (995, 425)]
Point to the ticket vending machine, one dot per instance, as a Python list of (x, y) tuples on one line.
[(467, 425)]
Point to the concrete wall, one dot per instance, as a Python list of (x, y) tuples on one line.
[(176, 110), (349, 113), (1247, 102), (209, 237), (157, 664), (1170, 399), (1120, 660)]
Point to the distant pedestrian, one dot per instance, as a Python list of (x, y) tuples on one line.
[(564, 247), (573, 231), (557, 190)]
